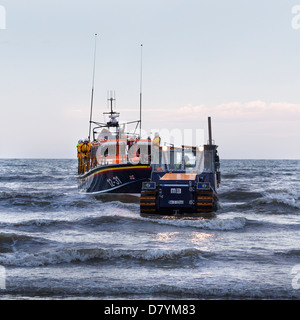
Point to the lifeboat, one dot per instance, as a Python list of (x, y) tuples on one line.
[(119, 162)]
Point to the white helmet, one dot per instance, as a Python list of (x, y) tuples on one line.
[(86, 140)]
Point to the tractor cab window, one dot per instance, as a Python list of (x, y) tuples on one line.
[(177, 159), (189, 160)]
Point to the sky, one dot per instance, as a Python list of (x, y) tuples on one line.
[(237, 61)]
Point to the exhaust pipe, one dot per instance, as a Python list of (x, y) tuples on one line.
[(209, 131)]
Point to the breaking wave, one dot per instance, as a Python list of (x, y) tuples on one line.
[(9, 242), (60, 256), (216, 224), (274, 204)]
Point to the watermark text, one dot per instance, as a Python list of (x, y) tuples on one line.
[(2, 18), (2, 278), (296, 19), (296, 279)]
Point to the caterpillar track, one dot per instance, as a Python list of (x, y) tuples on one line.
[(190, 199), (148, 202)]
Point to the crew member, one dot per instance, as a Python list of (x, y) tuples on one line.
[(79, 156), (86, 153), (130, 142), (156, 141), (186, 160), (155, 149)]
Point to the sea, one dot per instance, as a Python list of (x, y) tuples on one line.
[(59, 243)]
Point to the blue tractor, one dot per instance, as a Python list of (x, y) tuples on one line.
[(183, 181)]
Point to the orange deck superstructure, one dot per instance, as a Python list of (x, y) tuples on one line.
[(179, 176)]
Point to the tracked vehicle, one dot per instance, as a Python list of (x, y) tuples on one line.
[(183, 180)]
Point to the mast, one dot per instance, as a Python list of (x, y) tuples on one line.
[(141, 85), (93, 84)]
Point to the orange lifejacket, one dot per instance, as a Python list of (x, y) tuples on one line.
[(86, 148), (156, 142), (79, 150)]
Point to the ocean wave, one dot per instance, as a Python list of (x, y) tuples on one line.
[(9, 242), (62, 223), (62, 199), (289, 253), (11, 237), (277, 191), (36, 223), (109, 215), (64, 255), (202, 288), (42, 200), (29, 178), (121, 215), (279, 204), (240, 195), (216, 224)]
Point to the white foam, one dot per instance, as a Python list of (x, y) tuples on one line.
[(207, 224)]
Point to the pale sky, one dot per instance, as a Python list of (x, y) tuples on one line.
[(237, 61)]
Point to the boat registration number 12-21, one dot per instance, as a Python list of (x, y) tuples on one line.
[(115, 181)]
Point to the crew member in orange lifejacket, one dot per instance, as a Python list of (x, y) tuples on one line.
[(156, 141), (79, 156), (86, 153), (155, 149)]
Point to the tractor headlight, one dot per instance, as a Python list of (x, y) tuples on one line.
[(203, 186), (149, 185)]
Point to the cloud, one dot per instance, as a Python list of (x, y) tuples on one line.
[(253, 111), (249, 111)]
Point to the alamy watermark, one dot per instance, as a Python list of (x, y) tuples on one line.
[(2, 18), (2, 278), (296, 19)]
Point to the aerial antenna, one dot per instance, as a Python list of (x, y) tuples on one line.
[(93, 84), (141, 89), (111, 101)]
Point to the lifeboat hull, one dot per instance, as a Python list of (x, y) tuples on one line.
[(115, 178)]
